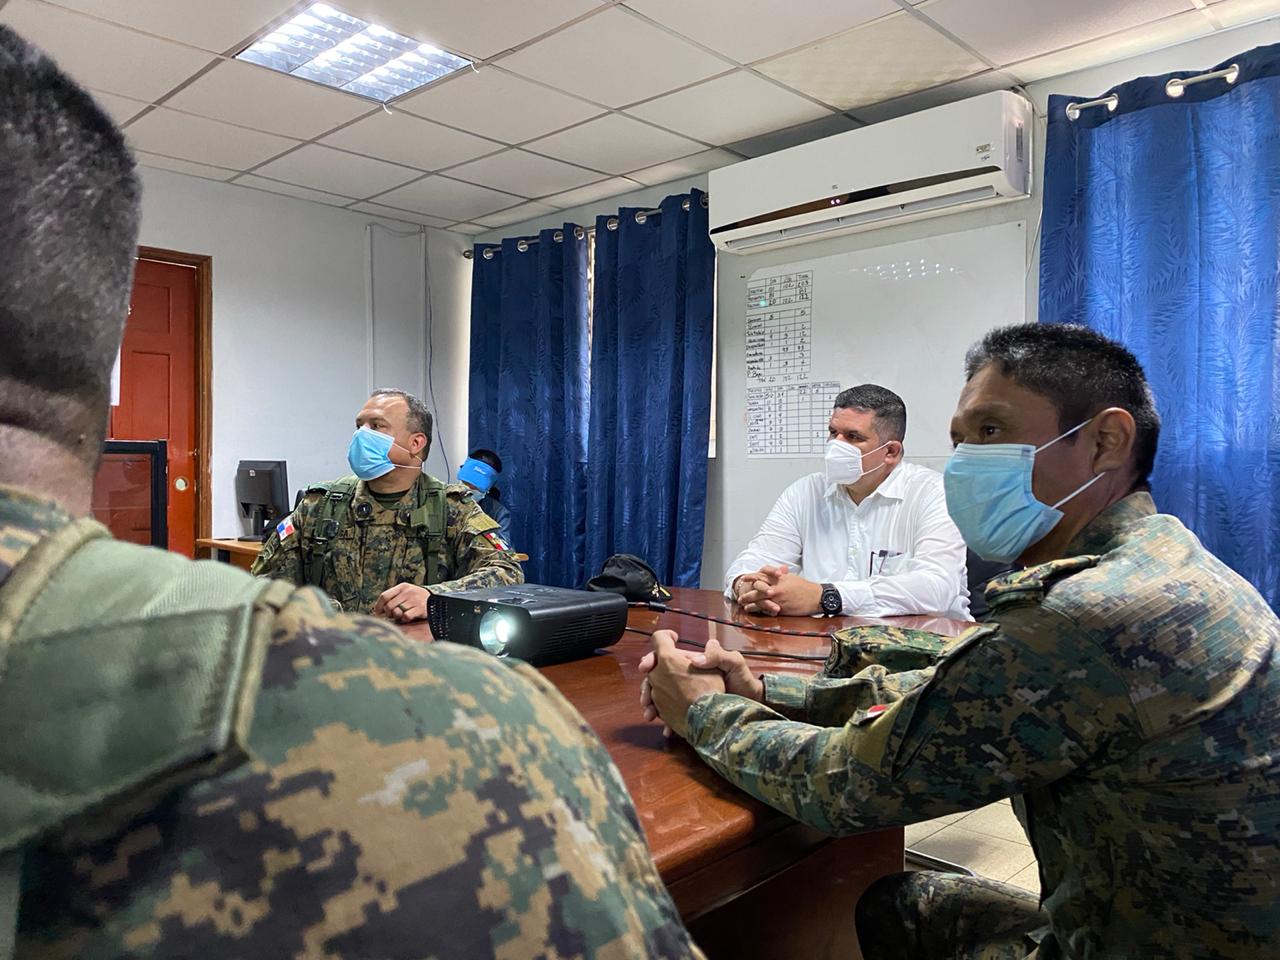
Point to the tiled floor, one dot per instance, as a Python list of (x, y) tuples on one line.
[(989, 841)]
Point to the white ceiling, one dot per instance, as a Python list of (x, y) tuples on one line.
[(571, 101)]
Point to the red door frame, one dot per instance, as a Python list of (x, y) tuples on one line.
[(204, 375)]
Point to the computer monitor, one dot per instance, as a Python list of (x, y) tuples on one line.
[(262, 487)]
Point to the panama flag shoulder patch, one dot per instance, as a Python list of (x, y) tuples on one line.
[(285, 529)]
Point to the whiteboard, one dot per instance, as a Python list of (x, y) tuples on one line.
[(901, 316)]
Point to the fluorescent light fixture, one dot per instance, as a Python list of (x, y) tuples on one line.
[(347, 53)]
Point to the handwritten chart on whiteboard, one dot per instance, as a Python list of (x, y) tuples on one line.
[(784, 418), (780, 327), (789, 420)]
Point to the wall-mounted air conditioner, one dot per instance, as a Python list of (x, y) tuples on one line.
[(956, 157)]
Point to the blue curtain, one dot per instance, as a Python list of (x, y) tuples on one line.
[(651, 388), (529, 392), (1162, 230)]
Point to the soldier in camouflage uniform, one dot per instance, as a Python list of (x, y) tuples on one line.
[(195, 763), (1124, 694), (380, 545)]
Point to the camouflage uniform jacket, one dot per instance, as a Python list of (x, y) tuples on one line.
[(1128, 697), (399, 800), (377, 548)]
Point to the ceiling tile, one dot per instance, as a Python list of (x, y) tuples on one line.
[(291, 190), (471, 229), (937, 96), (410, 140), (104, 56), (729, 108), (500, 105), (684, 167), (527, 174), (615, 144), (254, 96), (1006, 31), (409, 216), (593, 192), (184, 166), (886, 59), (475, 28), (615, 59), (443, 197), (177, 134), (336, 172), (121, 109), (214, 26), (794, 136), (749, 30), (1129, 43), (525, 211)]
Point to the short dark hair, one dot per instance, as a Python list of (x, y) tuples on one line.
[(890, 412), (419, 419), (1080, 372), (487, 456), (69, 215)]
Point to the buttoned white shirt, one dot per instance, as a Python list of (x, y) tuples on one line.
[(897, 552)]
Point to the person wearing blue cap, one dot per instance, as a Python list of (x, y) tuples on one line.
[(480, 472)]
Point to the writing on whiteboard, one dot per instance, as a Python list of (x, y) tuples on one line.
[(790, 419), (779, 327)]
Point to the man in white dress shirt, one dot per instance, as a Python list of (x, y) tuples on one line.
[(869, 536)]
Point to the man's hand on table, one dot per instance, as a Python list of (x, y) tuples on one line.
[(775, 591), (675, 678), (404, 603)]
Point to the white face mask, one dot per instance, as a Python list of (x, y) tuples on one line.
[(843, 464)]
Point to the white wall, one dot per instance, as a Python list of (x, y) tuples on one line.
[(735, 509), (290, 344)]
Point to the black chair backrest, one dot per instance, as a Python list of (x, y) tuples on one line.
[(980, 571)]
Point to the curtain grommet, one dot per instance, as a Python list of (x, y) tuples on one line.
[(522, 246)]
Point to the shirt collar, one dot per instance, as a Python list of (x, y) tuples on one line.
[(1103, 532), (24, 521)]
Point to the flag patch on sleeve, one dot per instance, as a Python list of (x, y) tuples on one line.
[(285, 529), (497, 541)]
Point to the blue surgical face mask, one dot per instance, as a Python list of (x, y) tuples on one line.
[(477, 473), (369, 454), (989, 497)]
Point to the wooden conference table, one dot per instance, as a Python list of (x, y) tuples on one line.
[(748, 881), (241, 553)]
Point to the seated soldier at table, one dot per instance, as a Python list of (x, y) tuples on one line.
[(868, 536), (198, 764), (380, 541), (1125, 694)]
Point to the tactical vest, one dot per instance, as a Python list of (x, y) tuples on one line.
[(125, 672), (428, 521)]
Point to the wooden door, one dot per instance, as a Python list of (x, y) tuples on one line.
[(159, 386)]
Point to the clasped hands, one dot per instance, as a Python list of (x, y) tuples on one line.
[(675, 678), (775, 591)]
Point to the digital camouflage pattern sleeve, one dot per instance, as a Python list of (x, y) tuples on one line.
[(959, 735), (281, 559), (476, 553), (402, 800)]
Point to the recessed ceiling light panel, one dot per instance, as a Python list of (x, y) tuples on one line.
[(347, 53)]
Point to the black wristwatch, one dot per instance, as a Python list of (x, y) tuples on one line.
[(831, 603)]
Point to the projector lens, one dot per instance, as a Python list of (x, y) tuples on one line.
[(495, 633)]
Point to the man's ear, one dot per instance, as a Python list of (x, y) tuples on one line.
[(1114, 432), (420, 445), (894, 450)]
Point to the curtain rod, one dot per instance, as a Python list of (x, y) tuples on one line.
[(578, 233), (1174, 88)]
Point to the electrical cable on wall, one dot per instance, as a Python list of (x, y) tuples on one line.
[(427, 316)]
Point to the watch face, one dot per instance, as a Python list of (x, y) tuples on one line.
[(831, 601)]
